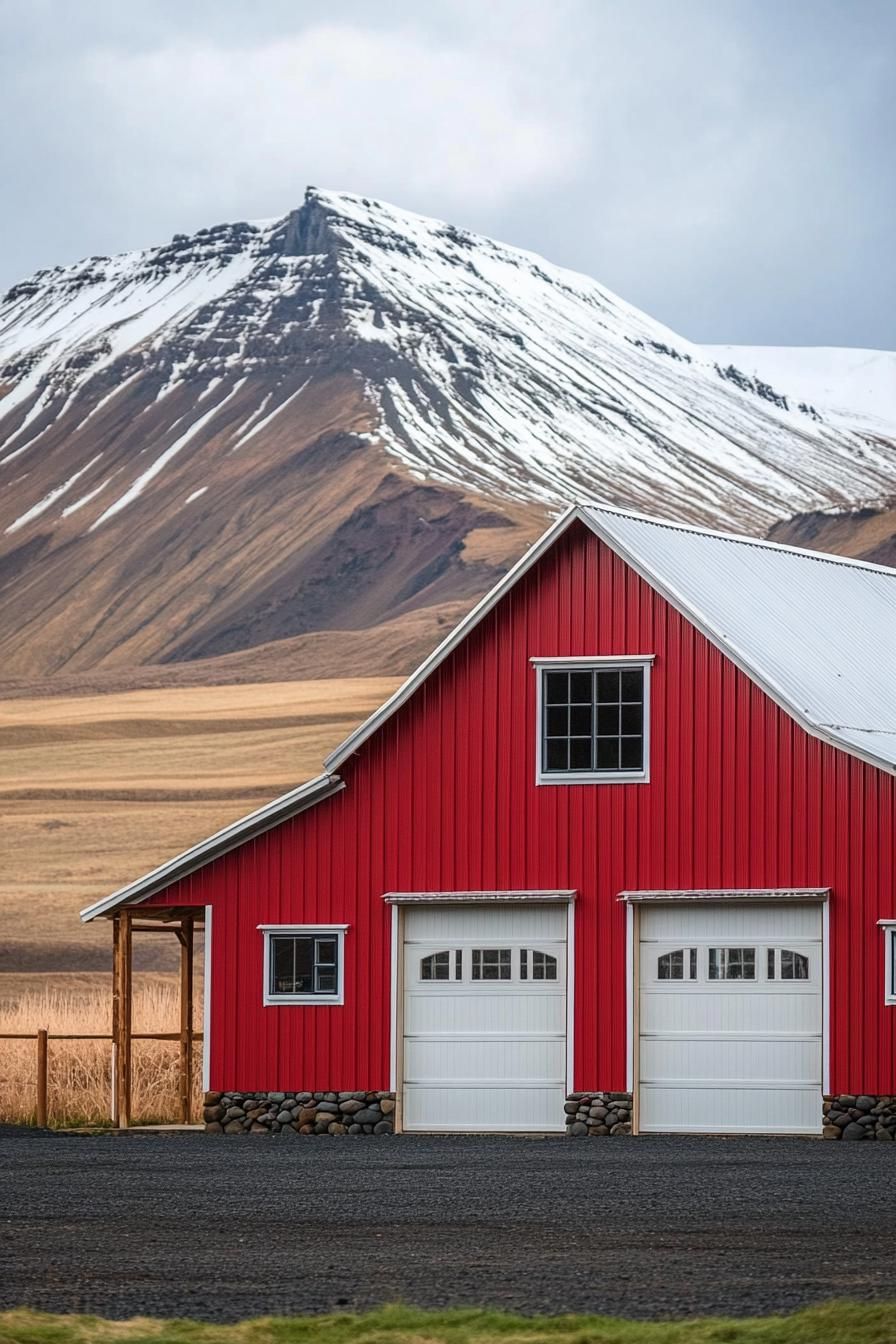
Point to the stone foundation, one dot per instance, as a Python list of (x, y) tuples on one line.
[(859, 1117), (598, 1113), (292, 1113)]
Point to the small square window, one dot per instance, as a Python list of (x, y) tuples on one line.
[(303, 965)]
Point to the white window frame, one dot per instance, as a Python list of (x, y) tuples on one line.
[(622, 663), (889, 930), (336, 931)]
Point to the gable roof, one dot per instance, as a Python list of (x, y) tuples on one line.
[(817, 632)]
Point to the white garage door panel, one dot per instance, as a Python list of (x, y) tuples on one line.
[(484, 1054), (496, 1109), (490, 1060), (729, 1111), (737, 1055)]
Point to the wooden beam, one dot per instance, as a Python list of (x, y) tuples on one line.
[(186, 1019), (126, 966), (116, 1015)]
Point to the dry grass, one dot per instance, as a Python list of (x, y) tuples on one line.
[(80, 1081), (98, 789)]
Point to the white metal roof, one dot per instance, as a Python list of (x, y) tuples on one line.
[(816, 631)]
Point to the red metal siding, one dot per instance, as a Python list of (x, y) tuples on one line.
[(444, 798)]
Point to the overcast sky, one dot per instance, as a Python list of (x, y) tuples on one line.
[(726, 165)]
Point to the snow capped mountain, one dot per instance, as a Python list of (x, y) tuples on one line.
[(347, 413)]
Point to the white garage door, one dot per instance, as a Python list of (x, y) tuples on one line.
[(484, 1017), (730, 1018)]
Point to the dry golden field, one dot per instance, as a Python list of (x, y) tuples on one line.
[(95, 790)]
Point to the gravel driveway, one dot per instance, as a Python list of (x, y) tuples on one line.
[(187, 1224)]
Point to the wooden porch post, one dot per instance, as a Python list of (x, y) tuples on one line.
[(116, 1015), (185, 937), (125, 1013)]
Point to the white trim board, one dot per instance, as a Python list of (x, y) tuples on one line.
[(474, 897)]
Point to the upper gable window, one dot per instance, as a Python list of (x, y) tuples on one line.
[(594, 720)]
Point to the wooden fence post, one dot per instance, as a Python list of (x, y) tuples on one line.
[(185, 937), (42, 1054)]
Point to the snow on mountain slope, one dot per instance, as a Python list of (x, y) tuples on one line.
[(344, 414), (855, 387)]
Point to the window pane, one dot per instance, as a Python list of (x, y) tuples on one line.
[(556, 754), (732, 963), (458, 964), (326, 951), (580, 721), (631, 719), (794, 966), (633, 684), (693, 952), (580, 753), (491, 963), (524, 972), (608, 720), (670, 966), (435, 967), (607, 686), (556, 688), (544, 966), (771, 963), (580, 688), (556, 721), (325, 981), (608, 753), (292, 965), (631, 755)]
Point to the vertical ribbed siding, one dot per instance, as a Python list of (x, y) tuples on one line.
[(444, 798)]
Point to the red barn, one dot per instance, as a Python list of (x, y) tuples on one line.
[(621, 855)]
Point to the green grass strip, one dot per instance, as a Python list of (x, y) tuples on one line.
[(833, 1323)]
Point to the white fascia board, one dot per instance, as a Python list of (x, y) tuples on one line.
[(229, 837), (477, 897), (725, 645), (728, 894), (459, 633)]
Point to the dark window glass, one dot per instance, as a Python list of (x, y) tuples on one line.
[(631, 753), (544, 966), (732, 963), (303, 964), (557, 721), (580, 753), (436, 966), (632, 688), (670, 966), (556, 688), (771, 963), (608, 753), (556, 753), (607, 687), (794, 965), (491, 963), (580, 721), (593, 721), (608, 720), (693, 952), (580, 688), (524, 968), (458, 964)]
